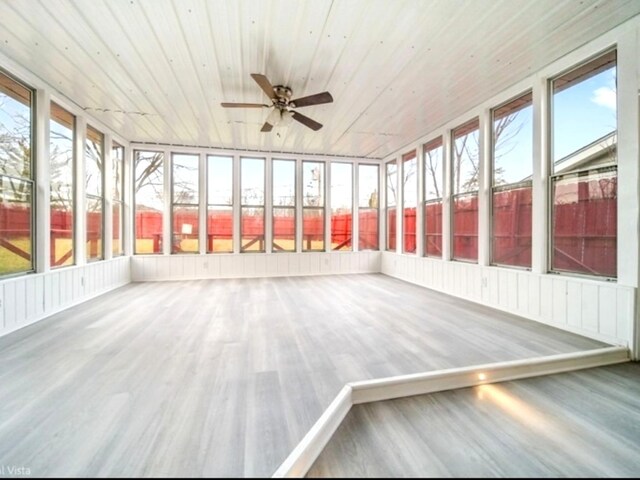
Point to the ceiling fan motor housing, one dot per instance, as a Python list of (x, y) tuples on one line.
[(283, 95)]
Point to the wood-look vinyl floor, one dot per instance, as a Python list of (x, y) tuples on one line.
[(225, 377), (578, 424)]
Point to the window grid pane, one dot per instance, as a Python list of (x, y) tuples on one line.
[(16, 178), (149, 201), (465, 189), (284, 203), (391, 176), (252, 187), (433, 188), (409, 201), (584, 180), (368, 222), (512, 154), (341, 206), (220, 204), (185, 207), (61, 170)]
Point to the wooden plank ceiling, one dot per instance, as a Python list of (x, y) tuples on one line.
[(157, 70)]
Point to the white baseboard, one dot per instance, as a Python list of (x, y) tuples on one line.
[(310, 447)]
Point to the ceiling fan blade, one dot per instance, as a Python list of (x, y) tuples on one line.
[(267, 127), (264, 84), (312, 124), (243, 105), (317, 99)]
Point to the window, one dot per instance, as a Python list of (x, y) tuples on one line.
[(184, 203), (512, 153), (148, 201), (465, 191), (409, 201), (312, 206), (117, 172), (341, 205), (368, 207), (433, 191), (62, 199), (584, 172), (252, 181), (390, 203), (284, 205), (219, 204), (16, 178), (94, 193)]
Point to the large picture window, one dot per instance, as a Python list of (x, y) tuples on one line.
[(16, 178), (148, 201), (409, 201), (368, 222), (511, 201), (252, 186), (584, 171), (219, 204), (313, 206), (284, 205), (391, 182), (62, 198), (184, 203), (94, 193), (117, 172), (341, 205), (433, 192), (465, 171)]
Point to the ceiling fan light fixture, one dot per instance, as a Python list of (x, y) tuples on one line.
[(274, 117), (286, 118)]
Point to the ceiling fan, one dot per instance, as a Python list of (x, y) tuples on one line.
[(283, 107)]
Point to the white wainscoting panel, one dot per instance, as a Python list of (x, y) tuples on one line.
[(27, 299), (145, 268), (596, 309)]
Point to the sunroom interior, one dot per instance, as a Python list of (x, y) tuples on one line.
[(437, 254)]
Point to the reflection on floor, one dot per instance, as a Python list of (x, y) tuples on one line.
[(578, 424)]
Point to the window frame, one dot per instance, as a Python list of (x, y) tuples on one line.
[(407, 157), (433, 144), (208, 204), (32, 180), (74, 190), (493, 188), (387, 206), (322, 208), (262, 206), (467, 129), (119, 201), (293, 207), (101, 198), (553, 176), (376, 209), (188, 205), (134, 203), (349, 248)]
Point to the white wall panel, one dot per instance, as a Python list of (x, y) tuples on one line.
[(25, 300), (574, 304), (523, 293), (559, 293), (590, 309), (625, 313), (252, 265)]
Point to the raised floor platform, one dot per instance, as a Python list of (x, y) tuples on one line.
[(578, 424)]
